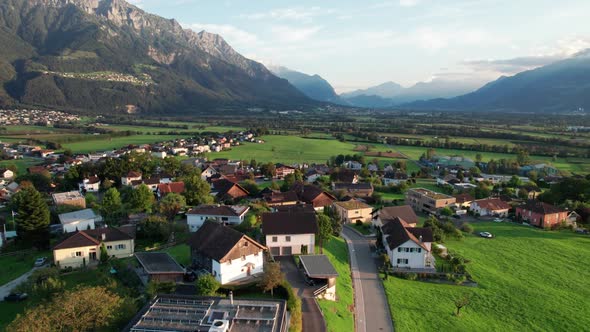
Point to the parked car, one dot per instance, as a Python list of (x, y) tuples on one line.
[(40, 261), (16, 297), (456, 216), (486, 235), (498, 220)]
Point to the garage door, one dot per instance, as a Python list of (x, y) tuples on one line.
[(286, 251), (275, 251)]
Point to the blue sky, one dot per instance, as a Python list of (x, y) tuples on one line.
[(356, 44)]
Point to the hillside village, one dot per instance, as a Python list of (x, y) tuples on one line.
[(164, 218)]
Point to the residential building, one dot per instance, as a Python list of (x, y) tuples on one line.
[(353, 211), (490, 207), (310, 194), (83, 247), (353, 165), (394, 178), (360, 189), (277, 198), (281, 171), (226, 253), (541, 214), (463, 201), (224, 214), (427, 201), (289, 233), (408, 247), (389, 213), (70, 198), (5, 173), (90, 184), (226, 190), (79, 220), (166, 313), (130, 177), (172, 187)]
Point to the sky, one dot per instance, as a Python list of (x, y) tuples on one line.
[(357, 44)]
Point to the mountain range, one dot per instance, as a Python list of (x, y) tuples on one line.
[(313, 86), (108, 55)]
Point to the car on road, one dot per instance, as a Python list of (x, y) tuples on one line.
[(40, 261), (16, 297), (498, 220), (487, 235)]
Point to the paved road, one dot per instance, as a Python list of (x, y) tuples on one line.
[(371, 308), (8, 287), (313, 320)]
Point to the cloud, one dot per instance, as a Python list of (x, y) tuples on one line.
[(232, 34), (288, 34), (291, 13), (408, 3)]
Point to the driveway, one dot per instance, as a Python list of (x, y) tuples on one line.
[(8, 287), (371, 308), (313, 320)]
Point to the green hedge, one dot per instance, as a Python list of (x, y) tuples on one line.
[(294, 307)]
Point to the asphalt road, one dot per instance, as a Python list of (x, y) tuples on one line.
[(8, 287), (313, 320), (371, 308)]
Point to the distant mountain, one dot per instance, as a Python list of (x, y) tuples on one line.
[(392, 94), (313, 86), (110, 56), (560, 86)]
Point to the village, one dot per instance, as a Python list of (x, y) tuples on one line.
[(244, 225)]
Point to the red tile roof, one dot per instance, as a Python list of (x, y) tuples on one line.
[(172, 187), (492, 204)]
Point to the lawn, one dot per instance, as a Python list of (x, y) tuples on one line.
[(363, 229), (288, 149), (339, 314), (181, 253), (21, 164), (529, 280), (15, 266), (108, 143)]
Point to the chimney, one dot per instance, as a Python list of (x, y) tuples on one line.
[(231, 298), (104, 236), (420, 238)]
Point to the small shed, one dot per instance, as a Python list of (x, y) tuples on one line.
[(319, 269), (160, 266)]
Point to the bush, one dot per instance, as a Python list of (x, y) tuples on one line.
[(411, 276), (467, 228), (294, 307), (154, 288), (207, 285), (359, 222)]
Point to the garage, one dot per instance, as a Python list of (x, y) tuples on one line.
[(275, 251), (287, 251)]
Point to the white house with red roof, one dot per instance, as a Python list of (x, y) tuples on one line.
[(408, 247), (490, 207)]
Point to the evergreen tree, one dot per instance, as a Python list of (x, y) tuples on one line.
[(32, 218), (325, 230), (104, 255), (111, 206)]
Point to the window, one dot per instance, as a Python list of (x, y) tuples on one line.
[(121, 247), (402, 261), (407, 249), (78, 254), (109, 247), (246, 244), (275, 239), (399, 249), (224, 218), (288, 238), (419, 250)]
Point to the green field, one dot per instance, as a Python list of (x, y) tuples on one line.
[(338, 314), (181, 253), (15, 266), (21, 164), (529, 280), (104, 144)]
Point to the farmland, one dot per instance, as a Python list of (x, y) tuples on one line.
[(529, 280)]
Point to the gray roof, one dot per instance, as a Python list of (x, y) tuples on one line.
[(158, 262), (70, 217), (318, 266)]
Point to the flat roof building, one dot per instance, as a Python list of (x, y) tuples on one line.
[(71, 198)]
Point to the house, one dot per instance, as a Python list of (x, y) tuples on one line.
[(408, 247), (224, 214), (90, 184), (172, 187), (70, 198), (463, 201), (532, 192), (427, 201), (83, 247), (353, 211), (152, 183), (282, 171), (159, 267), (5, 173), (353, 165), (310, 194), (388, 213), (79, 220), (159, 154), (208, 173), (394, 178), (313, 175), (541, 214), (289, 233), (361, 189), (226, 253), (173, 312), (275, 198), (224, 189), (130, 177), (490, 207)]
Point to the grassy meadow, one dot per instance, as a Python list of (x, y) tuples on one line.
[(529, 280)]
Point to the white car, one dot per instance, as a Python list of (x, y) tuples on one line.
[(486, 235), (498, 220)]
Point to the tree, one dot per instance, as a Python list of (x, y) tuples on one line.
[(430, 153), (142, 199), (253, 163), (154, 288), (461, 302), (478, 157), (274, 186), (272, 278), (111, 206), (251, 187), (104, 255), (446, 211), (207, 285), (81, 309), (32, 218), (196, 190), (522, 157), (170, 165), (325, 230), (155, 228), (90, 200), (171, 204)]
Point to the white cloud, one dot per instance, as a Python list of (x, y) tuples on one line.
[(288, 34), (232, 34), (291, 13)]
